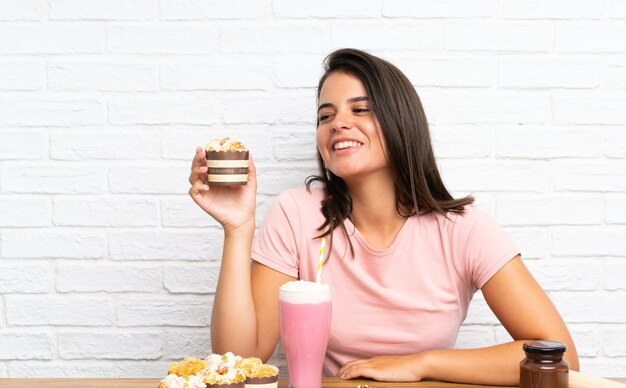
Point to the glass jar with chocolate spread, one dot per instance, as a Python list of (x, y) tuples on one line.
[(544, 366)]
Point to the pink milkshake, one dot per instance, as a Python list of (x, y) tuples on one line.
[(304, 315)]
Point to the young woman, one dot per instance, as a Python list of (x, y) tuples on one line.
[(405, 257)]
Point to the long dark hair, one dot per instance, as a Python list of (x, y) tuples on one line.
[(395, 104)]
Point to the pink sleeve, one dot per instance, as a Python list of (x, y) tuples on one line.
[(276, 245), (488, 248)]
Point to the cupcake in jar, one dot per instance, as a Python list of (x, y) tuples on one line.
[(227, 161)]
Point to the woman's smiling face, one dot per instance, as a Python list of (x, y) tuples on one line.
[(349, 136)]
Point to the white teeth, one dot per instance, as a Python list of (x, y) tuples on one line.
[(346, 144)]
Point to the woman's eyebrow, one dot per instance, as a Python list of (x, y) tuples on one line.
[(357, 99), (350, 100)]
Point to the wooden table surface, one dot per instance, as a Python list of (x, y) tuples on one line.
[(153, 383)]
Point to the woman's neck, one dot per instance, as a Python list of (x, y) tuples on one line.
[(374, 210)]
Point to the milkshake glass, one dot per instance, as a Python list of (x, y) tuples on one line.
[(304, 315)]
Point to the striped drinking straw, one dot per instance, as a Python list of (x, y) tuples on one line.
[(320, 262)]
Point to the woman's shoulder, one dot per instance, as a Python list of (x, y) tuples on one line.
[(301, 198), (302, 194), (467, 220)]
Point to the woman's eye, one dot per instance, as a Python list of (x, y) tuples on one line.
[(361, 110), (324, 117)]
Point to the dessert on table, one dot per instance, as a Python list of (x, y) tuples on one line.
[(220, 371)]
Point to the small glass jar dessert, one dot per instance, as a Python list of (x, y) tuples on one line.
[(544, 366)]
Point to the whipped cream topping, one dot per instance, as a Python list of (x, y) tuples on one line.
[(302, 291), (173, 381)]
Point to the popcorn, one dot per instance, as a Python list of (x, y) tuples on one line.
[(225, 144)]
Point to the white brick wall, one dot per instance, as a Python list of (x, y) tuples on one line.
[(107, 268)]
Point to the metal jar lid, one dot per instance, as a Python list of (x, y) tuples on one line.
[(544, 347)]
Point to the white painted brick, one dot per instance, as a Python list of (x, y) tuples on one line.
[(241, 74), (53, 244), (297, 70), (23, 277), (111, 345), (14, 10), (499, 108), (21, 345), (273, 180), (25, 211), (166, 245), (115, 144), (182, 212), (612, 341), (161, 39), (277, 37), (270, 108), (163, 110), (24, 143), (60, 178), (352, 9), (590, 37), (191, 278), (117, 212), (615, 210), (589, 110), (98, 76), (613, 274), (21, 75), (89, 369), (589, 241), (441, 72), (388, 35), (51, 113), (3, 371), (526, 36), (207, 10), (473, 337), (617, 9), (547, 209), (96, 277), (604, 367), (532, 242), (439, 9), (502, 335), (541, 72), (294, 142), (462, 141), (472, 176), (180, 143), (156, 179), (615, 76), (586, 338), (98, 10), (565, 274), (615, 142), (591, 307), (165, 311), (555, 9), (51, 39), (59, 310), (530, 141), (590, 176), (483, 201), (180, 343)]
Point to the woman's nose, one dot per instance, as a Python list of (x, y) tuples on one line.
[(342, 121)]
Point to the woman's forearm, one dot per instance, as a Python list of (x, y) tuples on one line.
[(233, 320), (494, 365)]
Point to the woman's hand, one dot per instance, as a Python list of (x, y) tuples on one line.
[(231, 206), (385, 368)]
